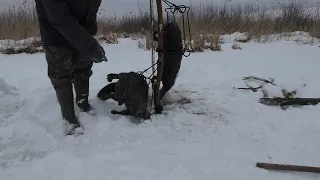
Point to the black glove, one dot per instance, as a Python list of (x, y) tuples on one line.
[(98, 55)]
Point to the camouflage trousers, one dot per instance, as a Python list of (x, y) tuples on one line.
[(66, 66)]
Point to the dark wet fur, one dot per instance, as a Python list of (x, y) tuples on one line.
[(172, 45), (131, 89)]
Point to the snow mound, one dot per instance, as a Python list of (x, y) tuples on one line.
[(236, 36), (9, 43), (298, 37), (30, 46), (9, 101), (8, 107), (7, 88)]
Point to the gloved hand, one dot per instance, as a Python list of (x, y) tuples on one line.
[(98, 55)]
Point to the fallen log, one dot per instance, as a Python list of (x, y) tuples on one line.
[(278, 101), (285, 167)]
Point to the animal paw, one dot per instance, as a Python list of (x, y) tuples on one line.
[(111, 76), (158, 109)]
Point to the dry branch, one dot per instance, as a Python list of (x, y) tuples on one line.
[(284, 167), (284, 102), (270, 81), (254, 89)]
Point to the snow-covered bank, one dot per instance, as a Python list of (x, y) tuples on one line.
[(299, 37), (208, 130)]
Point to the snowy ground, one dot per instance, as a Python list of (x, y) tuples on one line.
[(208, 130)]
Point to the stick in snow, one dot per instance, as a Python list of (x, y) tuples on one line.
[(284, 167), (254, 89), (158, 107)]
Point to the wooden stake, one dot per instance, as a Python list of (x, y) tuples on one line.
[(284, 167), (158, 107), (152, 43)]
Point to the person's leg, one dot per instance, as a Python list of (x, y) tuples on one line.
[(81, 74), (59, 72)]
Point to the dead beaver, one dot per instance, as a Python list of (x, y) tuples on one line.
[(173, 52), (131, 89)]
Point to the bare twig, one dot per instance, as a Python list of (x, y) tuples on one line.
[(270, 81), (285, 167), (254, 89)]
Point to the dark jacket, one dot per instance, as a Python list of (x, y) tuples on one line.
[(68, 23)]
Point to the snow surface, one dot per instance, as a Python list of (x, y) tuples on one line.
[(208, 129)]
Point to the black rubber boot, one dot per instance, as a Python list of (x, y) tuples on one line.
[(81, 88), (64, 94)]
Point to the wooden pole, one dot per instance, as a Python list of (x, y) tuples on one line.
[(158, 107), (151, 35), (284, 167), (152, 43)]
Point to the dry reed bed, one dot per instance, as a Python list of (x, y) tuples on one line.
[(216, 20)]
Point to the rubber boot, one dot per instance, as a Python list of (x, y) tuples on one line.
[(65, 98), (81, 87)]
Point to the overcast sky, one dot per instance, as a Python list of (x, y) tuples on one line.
[(126, 6)]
